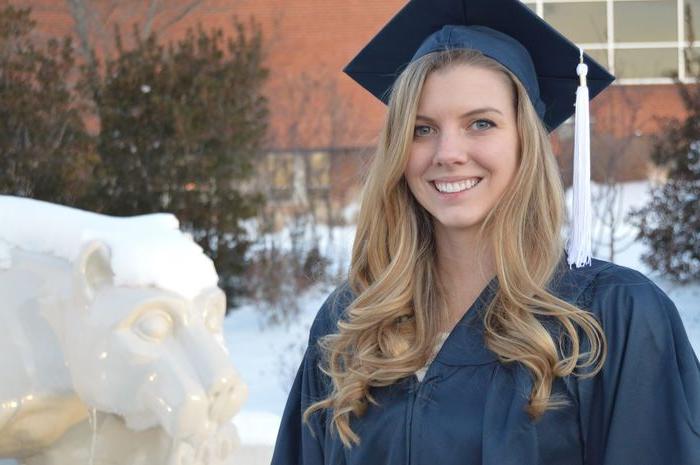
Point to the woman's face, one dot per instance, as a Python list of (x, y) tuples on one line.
[(465, 147)]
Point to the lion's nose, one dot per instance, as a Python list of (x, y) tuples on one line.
[(225, 398)]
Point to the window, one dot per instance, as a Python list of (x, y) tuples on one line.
[(638, 42), (646, 62), (694, 6), (646, 21), (279, 171), (583, 22), (319, 170), (601, 56)]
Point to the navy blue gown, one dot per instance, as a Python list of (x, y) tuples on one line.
[(643, 408)]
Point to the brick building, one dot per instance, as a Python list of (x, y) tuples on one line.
[(323, 126)]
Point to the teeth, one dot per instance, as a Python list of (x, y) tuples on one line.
[(449, 187)]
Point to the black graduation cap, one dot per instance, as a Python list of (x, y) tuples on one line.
[(506, 30)]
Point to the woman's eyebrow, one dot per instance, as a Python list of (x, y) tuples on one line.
[(467, 114)]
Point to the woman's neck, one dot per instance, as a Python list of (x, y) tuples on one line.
[(465, 265)]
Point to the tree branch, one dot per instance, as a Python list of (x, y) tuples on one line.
[(185, 11), (79, 14), (152, 10)]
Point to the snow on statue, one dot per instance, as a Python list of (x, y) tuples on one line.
[(112, 350)]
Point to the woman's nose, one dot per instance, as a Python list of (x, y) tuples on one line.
[(451, 149)]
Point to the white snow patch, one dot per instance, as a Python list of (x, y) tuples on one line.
[(257, 428), (350, 212), (146, 250), (5, 257), (267, 357)]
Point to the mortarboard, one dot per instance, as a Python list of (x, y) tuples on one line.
[(505, 30), (548, 65)]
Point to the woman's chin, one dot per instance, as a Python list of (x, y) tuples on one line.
[(457, 224)]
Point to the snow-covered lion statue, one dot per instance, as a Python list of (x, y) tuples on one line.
[(112, 348)]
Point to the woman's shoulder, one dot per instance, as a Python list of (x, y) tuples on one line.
[(626, 302), (331, 311), (628, 305), (619, 289), (646, 393), (603, 285), (611, 274)]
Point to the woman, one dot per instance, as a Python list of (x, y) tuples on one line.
[(462, 336)]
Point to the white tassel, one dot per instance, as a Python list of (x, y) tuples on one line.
[(579, 248)]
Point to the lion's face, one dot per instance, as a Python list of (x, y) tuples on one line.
[(153, 357)]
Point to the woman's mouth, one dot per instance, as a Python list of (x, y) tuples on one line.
[(455, 186)]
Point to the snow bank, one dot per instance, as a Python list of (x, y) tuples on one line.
[(257, 428)]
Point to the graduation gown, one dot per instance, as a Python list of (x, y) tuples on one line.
[(643, 408)]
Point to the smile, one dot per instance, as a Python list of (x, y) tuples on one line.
[(459, 186)]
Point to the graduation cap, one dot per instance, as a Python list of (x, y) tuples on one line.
[(553, 70), (506, 30)]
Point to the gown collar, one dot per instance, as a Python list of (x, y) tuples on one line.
[(465, 344)]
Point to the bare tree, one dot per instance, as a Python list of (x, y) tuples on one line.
[(313, 120), (609, 214), (618, 155), (318, 118)]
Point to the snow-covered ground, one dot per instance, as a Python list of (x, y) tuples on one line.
[(268, 356)]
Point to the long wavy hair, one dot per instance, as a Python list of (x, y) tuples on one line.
[(389, 330)]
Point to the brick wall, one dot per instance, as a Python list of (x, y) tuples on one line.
[(313, 104)]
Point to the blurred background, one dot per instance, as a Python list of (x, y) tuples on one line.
[(235, 116)]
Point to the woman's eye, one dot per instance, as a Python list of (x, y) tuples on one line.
[(421, 131), (482, 124)]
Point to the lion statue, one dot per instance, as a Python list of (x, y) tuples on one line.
[(113, 348)]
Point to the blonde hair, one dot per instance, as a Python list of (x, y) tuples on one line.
[(389, 330)]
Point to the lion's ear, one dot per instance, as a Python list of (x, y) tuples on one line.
[(93, 269)]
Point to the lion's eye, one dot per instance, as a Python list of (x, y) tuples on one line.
[(154, 325)]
